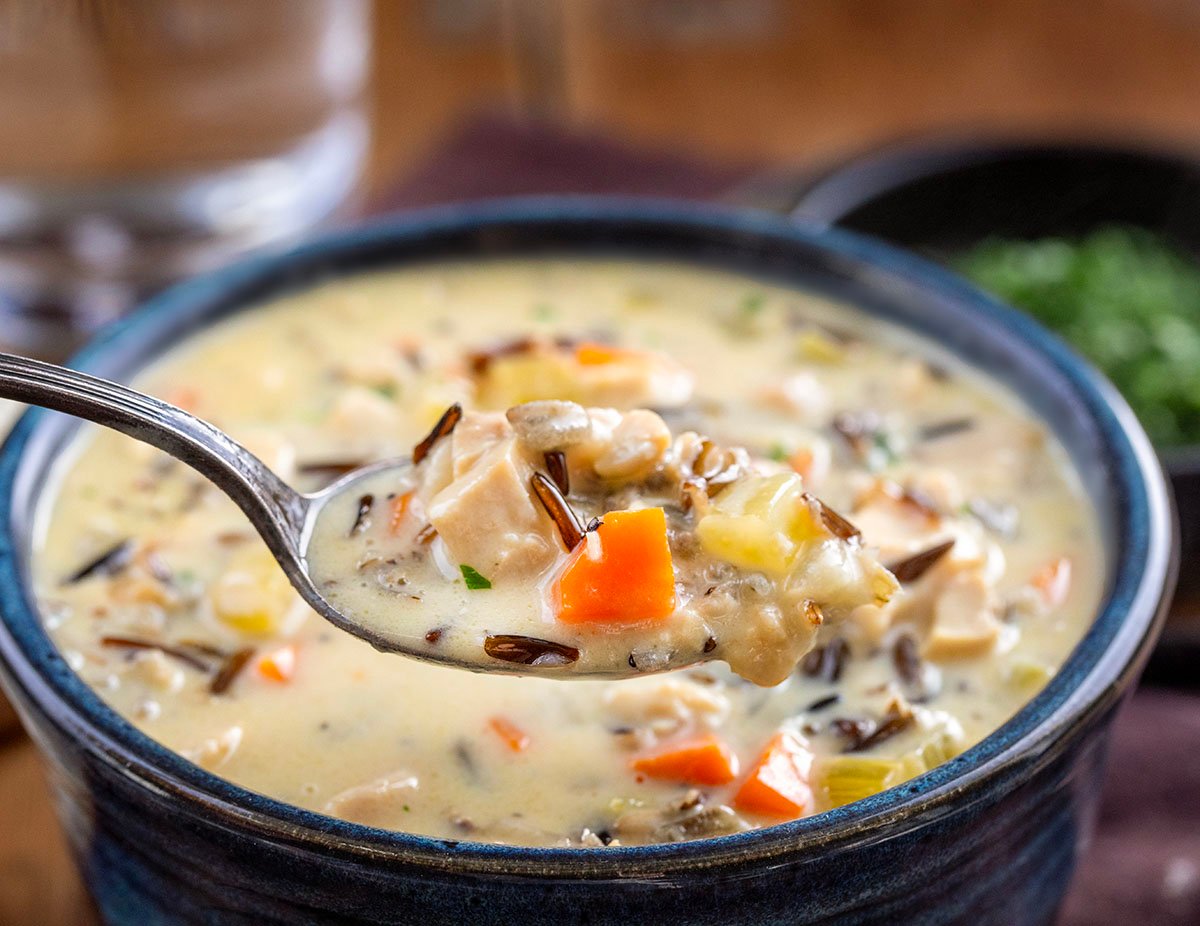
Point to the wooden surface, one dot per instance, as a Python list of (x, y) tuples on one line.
[(767, 81)]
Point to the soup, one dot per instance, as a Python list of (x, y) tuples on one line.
[(162, 598)]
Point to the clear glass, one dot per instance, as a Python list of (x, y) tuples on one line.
[(145, 141)]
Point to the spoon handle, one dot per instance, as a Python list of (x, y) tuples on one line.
[(275, 509)]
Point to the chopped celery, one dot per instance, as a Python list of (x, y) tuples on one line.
[(817, 347), (760, 523), (842, 780)]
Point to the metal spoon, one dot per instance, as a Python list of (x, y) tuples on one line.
[(283, 517)]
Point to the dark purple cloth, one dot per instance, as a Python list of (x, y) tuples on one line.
[(491, 156), (1143, 866)]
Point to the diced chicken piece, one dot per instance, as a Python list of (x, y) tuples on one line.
[(135, 586), (914, 379), (628, 378), (437, 471), (377, 803), (940, 486), (489, 520), (381, 366), (475, 435), (964, 618), (800, 394), (666, 705), (870, 622), (360, 411), (893, 525), (215, 752)]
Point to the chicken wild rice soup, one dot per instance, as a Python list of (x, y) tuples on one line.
[(610, 454)]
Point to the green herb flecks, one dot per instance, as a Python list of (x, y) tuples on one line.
[(474, 580), (745, 319)]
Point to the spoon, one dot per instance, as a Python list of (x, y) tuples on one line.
[(283, 517)]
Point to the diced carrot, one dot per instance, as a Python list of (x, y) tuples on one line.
[(278, 665), (629, 577), (1053, 581), (400, 506), (802, 462), (702, 761), (513, 736), (592, 354), (777, 785)]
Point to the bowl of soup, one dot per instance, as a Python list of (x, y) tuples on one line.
[(734, 405)]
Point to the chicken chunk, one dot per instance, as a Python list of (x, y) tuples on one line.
[(376, 803), (964, 618), (666, 706), (487, 517)]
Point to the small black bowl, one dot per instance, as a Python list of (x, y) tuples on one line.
[(940, 198)]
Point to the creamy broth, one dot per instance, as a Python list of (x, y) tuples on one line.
[(163, 599)]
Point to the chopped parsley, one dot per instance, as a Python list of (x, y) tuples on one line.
[(744, 320), (1127, 298), (473, 579), (752, 304)]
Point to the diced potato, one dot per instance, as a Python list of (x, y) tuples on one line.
[(590, 374), (526, 378), (745, 541), (252, 596)]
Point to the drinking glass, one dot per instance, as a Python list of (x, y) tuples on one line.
[(142, 141)]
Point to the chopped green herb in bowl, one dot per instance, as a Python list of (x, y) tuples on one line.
[(1127, 299)]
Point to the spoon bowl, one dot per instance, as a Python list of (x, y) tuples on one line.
[(285, 518)]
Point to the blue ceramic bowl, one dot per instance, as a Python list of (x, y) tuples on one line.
[(989, 838)]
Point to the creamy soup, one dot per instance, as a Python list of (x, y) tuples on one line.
[(165, 601)]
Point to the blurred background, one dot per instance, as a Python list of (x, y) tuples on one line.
[(144, 141), (141, 142)]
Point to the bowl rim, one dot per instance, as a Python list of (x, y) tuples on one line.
[(1092, 680), (842, 187)]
